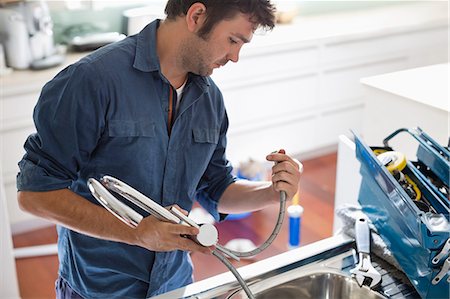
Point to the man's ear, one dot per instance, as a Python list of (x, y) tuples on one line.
[(195, 17)]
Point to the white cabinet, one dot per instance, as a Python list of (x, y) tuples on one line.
[(16, 124), (272, 98), (19, 93)]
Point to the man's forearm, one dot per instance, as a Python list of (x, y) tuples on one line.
[(68, 209), (245, 196)]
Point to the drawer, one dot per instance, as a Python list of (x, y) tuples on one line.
[(294, 136), (17, 108), (262, 101), (338, 122), (381, 45), (267, 64), (12, 149), (342, 83)]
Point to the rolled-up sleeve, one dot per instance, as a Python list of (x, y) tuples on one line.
[(217, 177), (69, 120)]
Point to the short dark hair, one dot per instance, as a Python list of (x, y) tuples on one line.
[(262, 12)]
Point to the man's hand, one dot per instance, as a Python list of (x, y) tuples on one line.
[(157, 235), (285, 173)]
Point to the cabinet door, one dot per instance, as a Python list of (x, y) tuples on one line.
[(432, 48), (337, 122), (17, 111), (16, 119), (270, 101), (340, 84), (295, 135), (12, 151), (267, 62)]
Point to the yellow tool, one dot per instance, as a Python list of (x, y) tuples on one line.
[(395, 162)]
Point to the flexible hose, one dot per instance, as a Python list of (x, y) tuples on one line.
[(272, 236), (236, 274), (255, 251)]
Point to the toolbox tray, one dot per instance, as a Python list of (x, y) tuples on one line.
[(434, 159), (413, 236)]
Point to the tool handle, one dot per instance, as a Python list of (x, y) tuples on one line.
[(362, 233)]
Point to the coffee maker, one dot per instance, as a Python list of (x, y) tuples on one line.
[(26, 32)]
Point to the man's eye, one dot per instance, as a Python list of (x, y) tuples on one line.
[(233, 41)]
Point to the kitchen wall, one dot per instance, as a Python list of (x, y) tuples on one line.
[(107, 15)]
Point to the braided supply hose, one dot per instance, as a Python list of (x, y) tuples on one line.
[(236, 274), (255, 251), (272, 236)]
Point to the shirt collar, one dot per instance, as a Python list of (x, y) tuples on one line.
[(146, 58)]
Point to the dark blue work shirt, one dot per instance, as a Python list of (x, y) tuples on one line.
[(107, 115)]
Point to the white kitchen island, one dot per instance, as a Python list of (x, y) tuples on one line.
[(416, 97)]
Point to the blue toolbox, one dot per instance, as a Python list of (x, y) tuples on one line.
[(408, 202)]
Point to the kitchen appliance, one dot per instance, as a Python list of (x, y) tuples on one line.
[(414, 225), (27, 32)]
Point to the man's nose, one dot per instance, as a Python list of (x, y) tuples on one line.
[(234, 55)]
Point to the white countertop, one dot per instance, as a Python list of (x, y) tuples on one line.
[(426, 85), (23, 81)]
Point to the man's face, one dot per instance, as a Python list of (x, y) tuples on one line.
[(202, 55)]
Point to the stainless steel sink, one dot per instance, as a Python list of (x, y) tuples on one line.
[(318, 270), (322, 284)]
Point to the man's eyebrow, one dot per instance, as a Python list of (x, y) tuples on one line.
[(241, 37)]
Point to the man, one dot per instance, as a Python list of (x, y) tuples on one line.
[(145, 111)]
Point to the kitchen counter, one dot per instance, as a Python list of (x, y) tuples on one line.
[(24, 81), (426, 86), (417, 97), (222, 281)]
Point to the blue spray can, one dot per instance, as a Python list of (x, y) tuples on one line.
[(295, 213)]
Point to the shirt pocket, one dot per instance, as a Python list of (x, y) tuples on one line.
[(198, 156), (127, 128), (205, 135)]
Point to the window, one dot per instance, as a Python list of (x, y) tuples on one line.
[(100, 4)]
